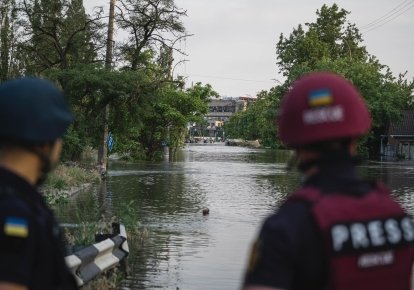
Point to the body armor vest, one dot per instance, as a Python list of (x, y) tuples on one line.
[(368, 239)]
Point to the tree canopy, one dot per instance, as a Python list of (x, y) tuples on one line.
[(58, 40), (331, 43)]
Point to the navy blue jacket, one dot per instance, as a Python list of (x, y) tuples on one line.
[(31, 251)]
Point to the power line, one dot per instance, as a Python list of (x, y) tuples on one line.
[(389, 18), (388, 14), (382, 24)]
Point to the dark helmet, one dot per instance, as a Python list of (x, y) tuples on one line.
[(320, 107), (32, 110)]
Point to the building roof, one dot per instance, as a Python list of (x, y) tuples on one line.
[(221, 102), (403, 127)]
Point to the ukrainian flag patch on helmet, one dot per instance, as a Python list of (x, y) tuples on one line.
[(16, 227), (319, 98)]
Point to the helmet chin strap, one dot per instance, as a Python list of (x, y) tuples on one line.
[(45, 169), (328, 159), (46, 163)]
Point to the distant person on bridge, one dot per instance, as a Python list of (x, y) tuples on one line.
[(33, 118), (336, 231)]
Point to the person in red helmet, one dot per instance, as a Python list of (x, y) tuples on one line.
[(336, 231)]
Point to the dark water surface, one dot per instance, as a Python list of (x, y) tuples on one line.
[(182, 249)]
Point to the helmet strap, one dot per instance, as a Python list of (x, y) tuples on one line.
[(46, 162), (45, 169), (328, 159)]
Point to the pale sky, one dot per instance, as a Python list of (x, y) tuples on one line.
[(234, 42)]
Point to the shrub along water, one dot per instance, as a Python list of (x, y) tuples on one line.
[(65, 180)]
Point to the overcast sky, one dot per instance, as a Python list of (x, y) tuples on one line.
[(233, 47)]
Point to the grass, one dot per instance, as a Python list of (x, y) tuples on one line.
[(110, 280), (65, 179)]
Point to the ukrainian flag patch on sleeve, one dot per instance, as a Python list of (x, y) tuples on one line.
[(322, 97), (16, 227)]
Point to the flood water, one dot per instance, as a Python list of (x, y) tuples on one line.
[(182, 249)]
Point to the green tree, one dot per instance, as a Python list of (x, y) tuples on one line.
[(58, 34), (149, 24), (58, 40), (91, 88), (170, 112), (258, 121), (331, 43), (330, 37)]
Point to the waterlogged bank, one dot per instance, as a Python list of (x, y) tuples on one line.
[(65, 180)]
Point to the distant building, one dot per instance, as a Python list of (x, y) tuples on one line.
[(220, 111), (399, 140)]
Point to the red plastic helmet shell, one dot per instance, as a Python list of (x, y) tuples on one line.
[(319, 107)]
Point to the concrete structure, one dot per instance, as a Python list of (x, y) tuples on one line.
[(222, 109), (89, 262)]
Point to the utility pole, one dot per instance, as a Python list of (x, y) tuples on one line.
[(110, 39), (103, 150)]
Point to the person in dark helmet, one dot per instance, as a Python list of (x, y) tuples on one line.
[(33, 118), (336, 231)]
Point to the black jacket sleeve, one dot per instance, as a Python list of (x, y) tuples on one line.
[(288, 253)]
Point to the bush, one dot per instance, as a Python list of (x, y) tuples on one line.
[(60, 181), (72, 145)]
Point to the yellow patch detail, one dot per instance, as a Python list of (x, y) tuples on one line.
[(16, 231), (321, 101)]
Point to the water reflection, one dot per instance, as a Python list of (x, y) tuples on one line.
[(399, 176), (186, 250), (189, 250)]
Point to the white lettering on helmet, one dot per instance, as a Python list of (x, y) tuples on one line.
[(323, 115), (393, 231), (376, 233), (340, 235)]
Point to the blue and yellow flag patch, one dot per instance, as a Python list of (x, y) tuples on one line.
[(319, 98), (16, 227)]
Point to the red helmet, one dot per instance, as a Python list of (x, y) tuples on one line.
[(319, 107)]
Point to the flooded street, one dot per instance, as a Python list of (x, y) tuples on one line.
[(184, 249)]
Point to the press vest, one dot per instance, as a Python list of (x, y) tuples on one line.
[(368, 239)]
